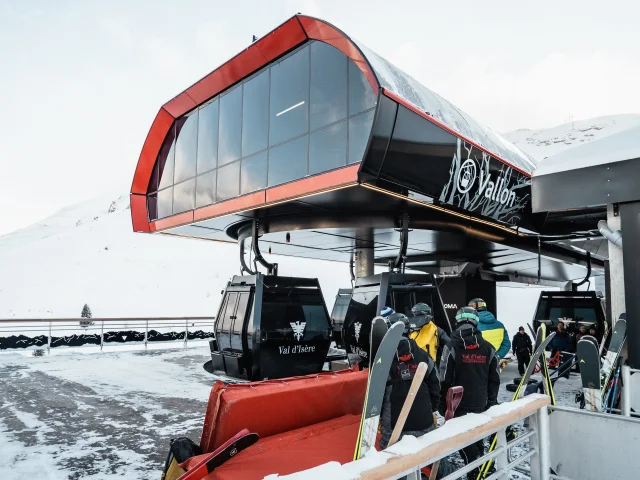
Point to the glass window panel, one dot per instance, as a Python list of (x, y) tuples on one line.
[(255, 114), (288, 162), (184, 196), (208, 137), (165, 202), (328, 85), (228, 181), (230, 127), (206, 189), (186, 147), (328, 148), (359, 131), (166, 164), (253, 175), (289, 97), (361, 95)]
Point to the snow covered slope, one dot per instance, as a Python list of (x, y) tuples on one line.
[(543, 143), (88, 253)]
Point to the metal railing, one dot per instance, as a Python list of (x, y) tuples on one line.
[(66, 327), (534, 409), (626, 391)]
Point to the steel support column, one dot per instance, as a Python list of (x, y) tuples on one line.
[(365, 252), (616, 270), (630, 227)]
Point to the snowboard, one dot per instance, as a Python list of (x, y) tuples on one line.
[(378, 375), (589, 361), (618, 338), (224, 452)]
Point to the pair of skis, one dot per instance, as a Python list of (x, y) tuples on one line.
[(384, 343), (542, 340), (596, 377)]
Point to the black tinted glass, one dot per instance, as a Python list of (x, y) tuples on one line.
[(228, 181), (165, 202), (208, 137), (361, 95), (279, 310), (230, 127), (184, 196), (186, 147), (253, 174), (328, 148), (166, 178), (328, 85), (359, 131), (289, 97), (255, 114), (152, 206), (205, 189), (288, 162)]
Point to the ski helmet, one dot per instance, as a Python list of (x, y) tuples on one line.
[(467, 315), (386, 311), (397, 317), (479, 304)]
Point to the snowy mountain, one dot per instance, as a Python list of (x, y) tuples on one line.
[(88, 253), (542, 143)]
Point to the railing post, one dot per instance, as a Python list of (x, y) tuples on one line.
[(626, 391), (49, 339), (146, 334), (186, 332), (542, 427), (101, 334), (502, 460)]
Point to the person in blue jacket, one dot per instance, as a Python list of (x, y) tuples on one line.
[(493, 331)]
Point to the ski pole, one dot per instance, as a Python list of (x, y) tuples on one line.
[(615, 390), (454, 397), (408, 403)]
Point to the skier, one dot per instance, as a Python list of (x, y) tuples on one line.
[(562, 341), (425, 332), (492, 330), (522, 349), (582, 331), (470, 361), (403, 369)]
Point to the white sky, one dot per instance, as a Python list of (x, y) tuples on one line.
[(81, 81)]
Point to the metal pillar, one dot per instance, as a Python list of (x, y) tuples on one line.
[(365, 252), (630, 227), (616, 270)]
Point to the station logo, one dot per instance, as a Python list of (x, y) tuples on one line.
[(495, 191), (298, 329), (466, 176), (450, 306), (356, 330)]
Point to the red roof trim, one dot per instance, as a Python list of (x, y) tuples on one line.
[(415, 109), (284, 38), (139, 217)]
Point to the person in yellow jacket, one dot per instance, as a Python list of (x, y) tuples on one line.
[(425, 332)]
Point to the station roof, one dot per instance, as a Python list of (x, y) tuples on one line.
[(340, 140)]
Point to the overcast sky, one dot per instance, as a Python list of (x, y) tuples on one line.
[(81, 81)]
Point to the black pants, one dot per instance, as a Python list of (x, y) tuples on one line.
[(523, 360)]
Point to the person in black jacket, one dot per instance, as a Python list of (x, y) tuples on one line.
[(403, 369), (471, 362), (522, 348)]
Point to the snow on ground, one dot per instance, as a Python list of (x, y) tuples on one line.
[(98, 415), (101, 415), (542, 143)]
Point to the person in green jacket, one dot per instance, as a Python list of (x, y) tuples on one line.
[(493, 331)]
